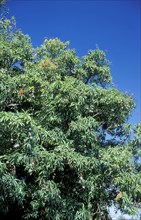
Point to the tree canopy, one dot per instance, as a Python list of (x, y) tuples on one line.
[(66, 148)]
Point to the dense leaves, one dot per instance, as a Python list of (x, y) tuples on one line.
[(66, 149)]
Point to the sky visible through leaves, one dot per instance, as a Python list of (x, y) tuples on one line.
[(113, 26)]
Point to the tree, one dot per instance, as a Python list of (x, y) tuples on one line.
[(66, 149), (2, 2)]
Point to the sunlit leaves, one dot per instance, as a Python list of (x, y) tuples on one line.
[(97, 67), (66, 150)]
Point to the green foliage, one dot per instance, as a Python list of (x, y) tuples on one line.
[(66, 150), (2, 2)]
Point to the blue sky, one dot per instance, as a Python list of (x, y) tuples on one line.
[(112, 25)]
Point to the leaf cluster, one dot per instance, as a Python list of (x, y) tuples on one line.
[(66, 150)]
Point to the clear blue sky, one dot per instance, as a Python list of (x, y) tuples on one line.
[(112, 25)]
